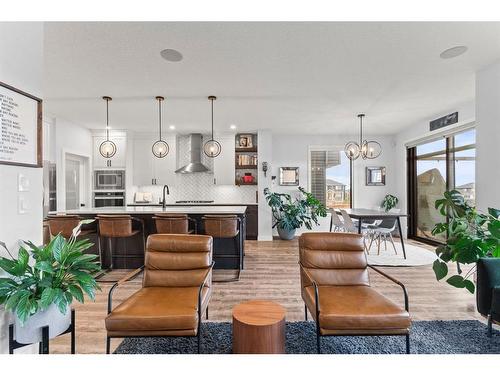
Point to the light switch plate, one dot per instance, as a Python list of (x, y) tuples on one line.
[(23, 182), (23, 206)]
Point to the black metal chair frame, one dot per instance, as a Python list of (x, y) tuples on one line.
[(104, 272), (43, 346), (136, 273), (238, 243), (317, 312)]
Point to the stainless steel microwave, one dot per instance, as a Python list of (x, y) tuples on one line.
[(109, 180)]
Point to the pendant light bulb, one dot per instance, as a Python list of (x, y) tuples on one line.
[(212, 148)]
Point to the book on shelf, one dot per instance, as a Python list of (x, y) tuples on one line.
[(246, 160)]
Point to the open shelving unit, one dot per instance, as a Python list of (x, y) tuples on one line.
[(246, 158)]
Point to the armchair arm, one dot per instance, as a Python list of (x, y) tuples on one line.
[(200, 290), (314, 284), (126, 278), (407, 308)]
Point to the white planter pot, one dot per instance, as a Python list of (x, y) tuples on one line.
[(31, 331)]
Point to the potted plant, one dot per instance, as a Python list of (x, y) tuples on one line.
[(389, 202), (44, 282), (290, 214), (470, 235)]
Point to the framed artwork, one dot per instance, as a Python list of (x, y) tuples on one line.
[(289, 176), (21, 124), (375, 176), (245, 141)]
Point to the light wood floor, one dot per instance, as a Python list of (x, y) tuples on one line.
[(272, 272)]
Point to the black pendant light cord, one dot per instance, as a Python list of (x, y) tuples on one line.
[(107, 119), (159, 116), (212, 102), (360, 130)]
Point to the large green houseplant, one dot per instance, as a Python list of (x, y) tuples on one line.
[(45, 280), (470, 235), (292, 213)]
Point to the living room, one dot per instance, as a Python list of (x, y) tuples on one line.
[(189, 185)]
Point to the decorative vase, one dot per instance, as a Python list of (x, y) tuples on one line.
[(31, 331), (286, 234)]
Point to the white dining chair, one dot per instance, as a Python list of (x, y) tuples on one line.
[(335, 223), (350, 227), (383, 232)]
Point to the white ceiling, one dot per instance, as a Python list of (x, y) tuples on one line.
[(288, 77)]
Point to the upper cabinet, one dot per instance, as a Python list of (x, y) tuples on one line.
[(224, 163), (150, 170), (119, 158)]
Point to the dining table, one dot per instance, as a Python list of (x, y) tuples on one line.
[(365, 214)]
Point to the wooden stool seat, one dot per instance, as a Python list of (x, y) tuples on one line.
[(259, 328)]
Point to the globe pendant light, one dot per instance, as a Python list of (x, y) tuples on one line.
[(212, 148), (107, 148), (366, 149), (160, 147)]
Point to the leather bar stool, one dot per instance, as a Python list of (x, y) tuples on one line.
[(174, 224), (115, 227), (225, 226), (64, 224)]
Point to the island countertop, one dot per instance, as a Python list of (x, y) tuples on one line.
[(148, 210)]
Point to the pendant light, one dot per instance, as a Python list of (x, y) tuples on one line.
[(366, 149), (107, 148), (160, 147), (212, 148)]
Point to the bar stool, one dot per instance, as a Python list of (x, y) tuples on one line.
[(115, 227), (167, 223), (64, 225), (225, 226)]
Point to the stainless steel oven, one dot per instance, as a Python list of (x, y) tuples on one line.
[(109, 199), (109, 180)]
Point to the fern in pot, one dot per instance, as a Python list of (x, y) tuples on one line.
[(290, 214), (43, 283)]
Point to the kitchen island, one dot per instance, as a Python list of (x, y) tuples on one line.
[(128, 253)]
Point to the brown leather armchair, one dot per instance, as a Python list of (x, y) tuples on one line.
[(336, 289), (176, 289)]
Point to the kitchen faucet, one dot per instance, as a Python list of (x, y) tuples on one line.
[(165, 187)]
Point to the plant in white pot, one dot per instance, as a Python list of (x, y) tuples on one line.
[(43, 283), (290, 214)]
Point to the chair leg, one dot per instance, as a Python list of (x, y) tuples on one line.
[(108, 344), (206, 313), (305, 311), (408, 344), (331, 222), (318, 342), (392, 241), (490, 325)]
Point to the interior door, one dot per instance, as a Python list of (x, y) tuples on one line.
[(72, 177)]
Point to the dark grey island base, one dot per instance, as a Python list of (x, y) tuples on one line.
[(128, 253)]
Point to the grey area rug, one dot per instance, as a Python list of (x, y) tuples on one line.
[(415, 256), (427, 337)]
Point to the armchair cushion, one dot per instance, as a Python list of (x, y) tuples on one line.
[(356, 309), (156, 311)]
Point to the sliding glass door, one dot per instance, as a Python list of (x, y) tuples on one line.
[(434, 167)]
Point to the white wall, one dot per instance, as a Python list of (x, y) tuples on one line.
[(21, 59), (488, 137), (293, 151), (265, 147), (419, 131), (74, 139)]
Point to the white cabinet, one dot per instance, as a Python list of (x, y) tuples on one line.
[(224, 163), (150, 170), (119, 158)]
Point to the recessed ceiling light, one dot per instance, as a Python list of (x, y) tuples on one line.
[(453, 52), (171, 55), (172, 127), (232, 126)]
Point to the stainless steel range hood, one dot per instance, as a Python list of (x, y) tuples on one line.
[(195, 165)]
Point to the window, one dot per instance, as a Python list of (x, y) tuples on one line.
[(434, 167), (330, 176)]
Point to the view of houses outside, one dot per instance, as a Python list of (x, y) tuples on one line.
[(431, 177), (338, 184)]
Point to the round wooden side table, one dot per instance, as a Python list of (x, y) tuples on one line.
[(258, 328)]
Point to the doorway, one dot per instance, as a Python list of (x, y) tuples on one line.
[(75, 181)]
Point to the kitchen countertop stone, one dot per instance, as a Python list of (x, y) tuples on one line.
[(176, 208)]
